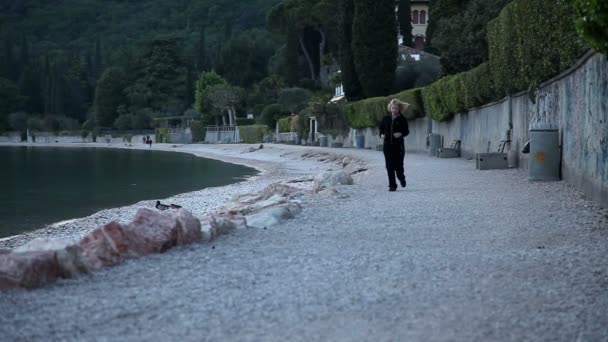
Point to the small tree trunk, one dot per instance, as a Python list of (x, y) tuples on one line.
[(231, 117), (308, 59)]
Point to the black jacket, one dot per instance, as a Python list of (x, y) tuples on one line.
[(388, 126)]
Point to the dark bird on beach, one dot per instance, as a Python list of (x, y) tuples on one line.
[(161, 206), (175, 206)]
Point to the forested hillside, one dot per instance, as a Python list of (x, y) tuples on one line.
[(54, 52)]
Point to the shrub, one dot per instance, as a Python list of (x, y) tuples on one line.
[(592, 23), (244, 122), (285, 124), (369, 112), (253, 133), (530, 42), (198, 130)]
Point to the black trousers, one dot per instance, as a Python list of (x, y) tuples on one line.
[(393, 156)]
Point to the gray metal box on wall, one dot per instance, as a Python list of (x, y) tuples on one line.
[(544, 162), (492, 161)]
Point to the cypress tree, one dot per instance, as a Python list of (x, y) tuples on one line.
[(98, 63), (24, 54), (405, 23), (374, 45), (9, 65), (48, 85), (29, 86), (200, 51), (350, 80), (108, 96)]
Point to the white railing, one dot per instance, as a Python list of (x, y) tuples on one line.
[(286, 136), (222, 134)]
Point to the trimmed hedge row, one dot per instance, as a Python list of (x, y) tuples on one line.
[(369, 112), (530, 42), (253, 133), (592, 22), (458, 93)]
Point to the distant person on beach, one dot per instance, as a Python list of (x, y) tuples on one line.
[(149, 141), (145, 140), (393, 129)]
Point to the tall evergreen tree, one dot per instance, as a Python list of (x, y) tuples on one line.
[(405, 22), (29, 87), (9, 64), (159, 78), (374, 45), (201, 58), (24, 53), (350, 80), (98, 61), (108, 96), (463, 21)]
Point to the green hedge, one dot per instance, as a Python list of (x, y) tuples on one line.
[(285, 124), (458, 93), (253, 134), (369, 112), (530, 42), (160, 133), (592, 22), (244, 122), (198, 130)]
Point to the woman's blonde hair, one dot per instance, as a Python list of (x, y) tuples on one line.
[(403, 106)]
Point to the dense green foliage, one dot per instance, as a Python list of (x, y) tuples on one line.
[(348, 75), (415, 74), (109, 95), (10, 100), (374, 45), (249, 51), (253, 133), (369, 112), (157, 79), (404, 17), (294, 99), (309, 27), (530, 42), (285, 124), (56, 51), (592, 22), (457, 31)]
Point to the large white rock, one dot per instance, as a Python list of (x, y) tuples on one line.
[(273, 195), (273, 216), (213, 225), (44, 244), (331, 178)]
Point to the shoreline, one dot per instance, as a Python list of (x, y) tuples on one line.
[(272, 164)]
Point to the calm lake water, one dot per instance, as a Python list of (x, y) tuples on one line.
[(44, 185)]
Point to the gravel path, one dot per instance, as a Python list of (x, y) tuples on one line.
[(459, 255)]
